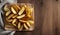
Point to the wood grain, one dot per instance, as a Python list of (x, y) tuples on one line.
[(47, 17)]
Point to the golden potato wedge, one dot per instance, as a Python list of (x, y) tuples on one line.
[(31, 22), (22, 21), (6, 8), (16, 7), (8, 12), (26, 18), (29, 11), (9, 20), (19, 25), (14, 16), (18, 17), (13, 10), (10, 16), (25, 22), (28, 24), (13, 22), (21, 10), (25, 26), (21, 28), (29, 16)]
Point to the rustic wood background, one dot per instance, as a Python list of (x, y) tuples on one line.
[(47, 17)]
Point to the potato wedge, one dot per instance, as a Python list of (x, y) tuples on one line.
[(25, 26), (28, 24), (16, 7), (10, 16), (21, 10), (13, 10), (29, 11), (8, 12), (14, 16), (18, 17), (9, 20), (6, 8), (19, 25), (13, 22), (31, 22), (22, 21), (29, 16), (21, 28)]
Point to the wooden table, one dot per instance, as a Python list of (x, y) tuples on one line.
[(47, 17)]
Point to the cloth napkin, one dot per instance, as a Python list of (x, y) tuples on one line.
[(2, 30)]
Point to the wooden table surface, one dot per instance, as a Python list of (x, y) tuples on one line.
[(47, 17)]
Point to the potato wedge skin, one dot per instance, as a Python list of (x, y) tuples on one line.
[(21, 11), (13, 10), (10, 16), (13, 22), (26, 27), (19, 25), (14, 16), (8, 12), (31, 22), (6, 8), (22, 21), (16, 7), (29, 11), (21, 28), (18, 17), (28, 24), (9, 20)]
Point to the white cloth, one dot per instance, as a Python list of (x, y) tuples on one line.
[(2, 31)]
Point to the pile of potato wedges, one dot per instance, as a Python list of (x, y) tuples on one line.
[(20, 16)]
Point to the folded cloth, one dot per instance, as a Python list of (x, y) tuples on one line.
[(2, 30)]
